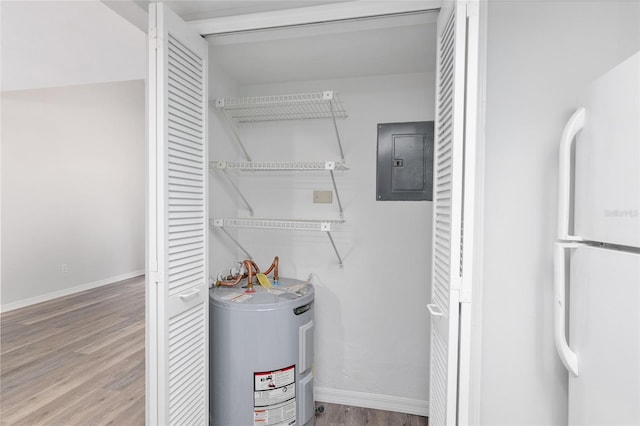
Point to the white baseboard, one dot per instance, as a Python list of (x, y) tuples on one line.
[(372, 400), (67, 291)]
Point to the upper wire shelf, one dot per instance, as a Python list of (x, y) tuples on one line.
[(301, 106)]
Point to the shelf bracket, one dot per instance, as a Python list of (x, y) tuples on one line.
[(335, 188), (329, 95), (233, 184), (232, 126), (221, 226), (335, 249)]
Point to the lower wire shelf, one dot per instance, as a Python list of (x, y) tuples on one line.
[(278, 224)]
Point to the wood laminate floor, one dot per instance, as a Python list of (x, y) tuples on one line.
[(345, 415), (76, 360), (79, 360)]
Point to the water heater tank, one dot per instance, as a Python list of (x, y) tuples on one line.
[(261, 355)]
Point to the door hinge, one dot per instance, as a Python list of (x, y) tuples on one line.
[(153, 272), (154, 40), (465, 296), (153, 277)]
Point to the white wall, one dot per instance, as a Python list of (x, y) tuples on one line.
[(372, 325), (223, 200), (72, 188), (63, 43), (540, 55)]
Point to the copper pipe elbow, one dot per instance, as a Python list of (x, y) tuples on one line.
[(274, 268), (248, 264)]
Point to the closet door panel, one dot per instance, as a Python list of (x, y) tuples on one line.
[(447, 204), (177, 249)]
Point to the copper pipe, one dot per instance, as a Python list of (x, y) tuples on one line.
[(229, 283), (255, 266), (274, 267), (252, 269), (231, 280), (249, 265)]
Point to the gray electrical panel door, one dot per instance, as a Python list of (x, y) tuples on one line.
[(405, 161)]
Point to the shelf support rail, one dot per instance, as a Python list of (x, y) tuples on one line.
[(232, 126), (329, 96), (220, 224)]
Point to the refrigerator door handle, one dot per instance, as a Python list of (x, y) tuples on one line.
[(571, 129), (567, 356)]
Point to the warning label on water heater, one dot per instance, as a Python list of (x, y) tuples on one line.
[(274, 397)]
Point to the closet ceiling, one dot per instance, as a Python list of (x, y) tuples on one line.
[(375, 46), (350, 49), (194, 10)]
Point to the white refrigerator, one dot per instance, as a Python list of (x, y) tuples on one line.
[(597, 254)]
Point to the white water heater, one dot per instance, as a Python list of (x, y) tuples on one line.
[(261, 355)]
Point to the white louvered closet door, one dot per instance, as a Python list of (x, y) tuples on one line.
[(177, 287), (447, 203)]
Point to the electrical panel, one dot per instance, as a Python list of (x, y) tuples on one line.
[(405, 161)]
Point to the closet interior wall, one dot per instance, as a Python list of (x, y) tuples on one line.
[(223, 200), (372, 335)]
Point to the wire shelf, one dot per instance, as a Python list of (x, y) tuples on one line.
[(267, 166), (302, 106), (282, 224)]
